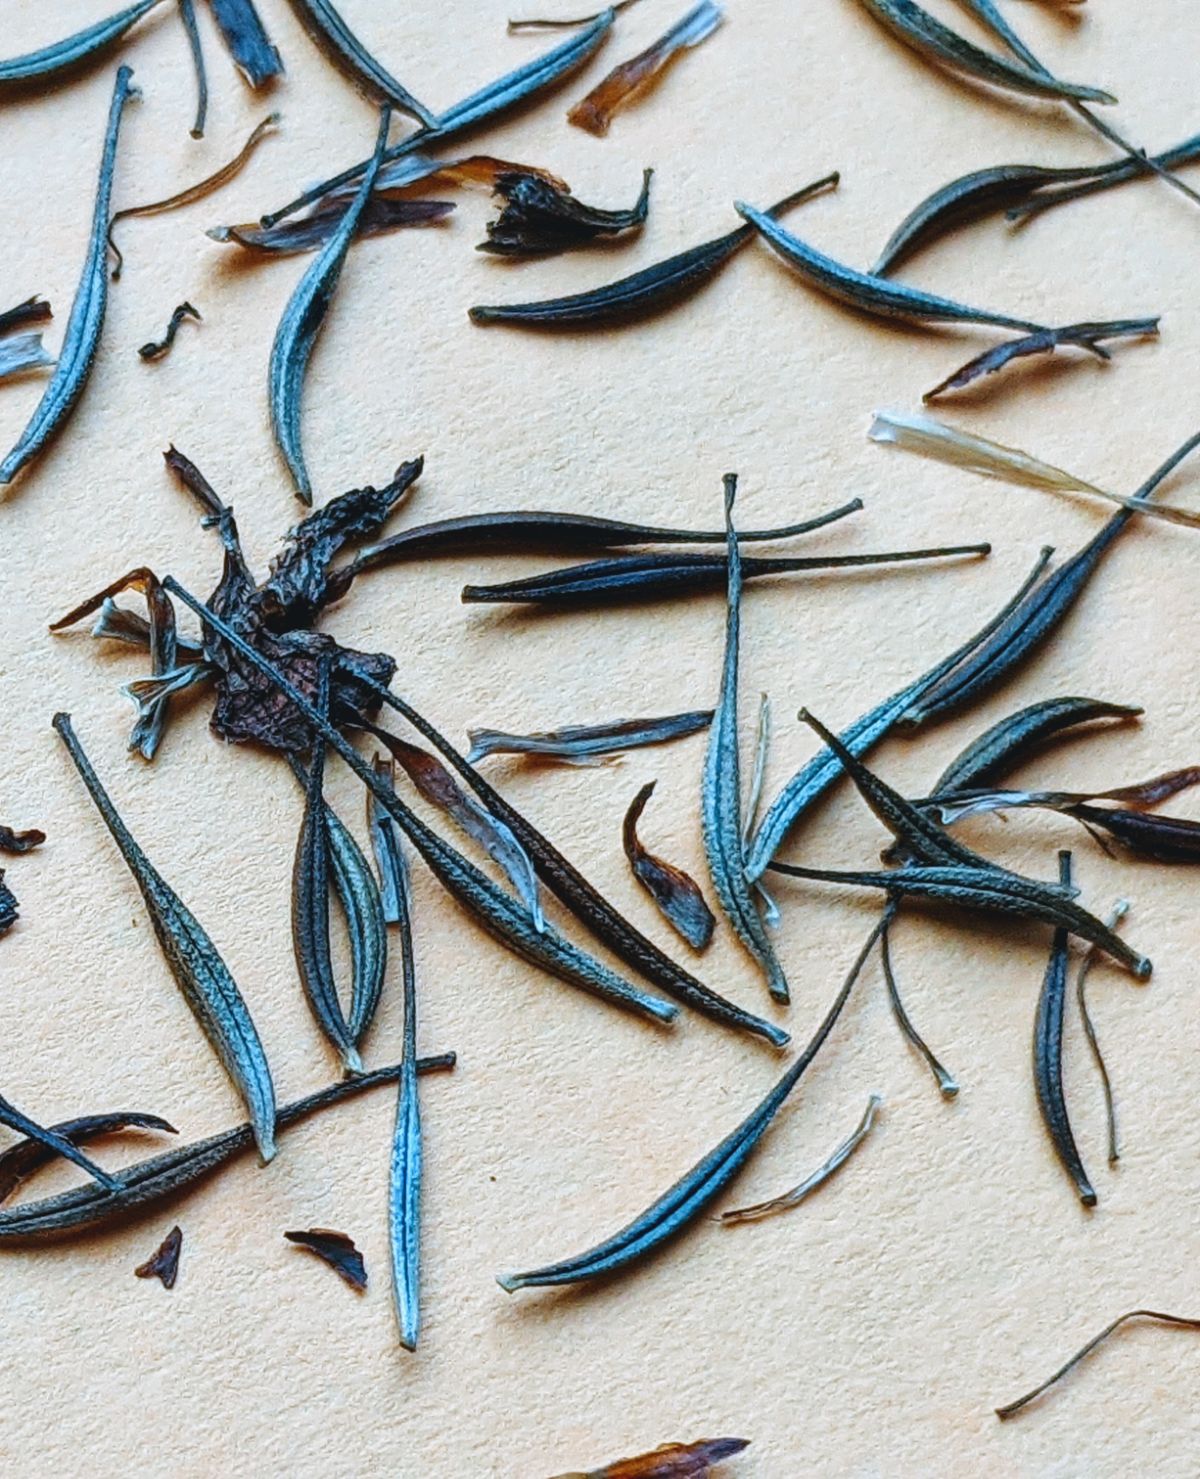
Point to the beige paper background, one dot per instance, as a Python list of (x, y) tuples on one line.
[(949, 1268)]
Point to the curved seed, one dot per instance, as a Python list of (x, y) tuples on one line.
[(359, 896), (643, 292), (63, 56), (793, 1198), (878, 296), (721, 789), (927, 36), (687, 1199), (55, 1143), (811, 782), (20, 1161), (1084, 336), (200, 973), (556, 534), (494, 909), (341, 46), (675, 892), (519, 86), (301, 322), (162, 1177), (1178, 1320), (87, 311)]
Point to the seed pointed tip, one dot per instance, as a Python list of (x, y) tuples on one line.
[(510, 1283)]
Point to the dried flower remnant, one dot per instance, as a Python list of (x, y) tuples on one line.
[(793, 1198), (61, 58), (539, 218), (345, 51), (163, 1177), (630, 79), (672, 1460), (677, 1208), (1083, 336), (522, 85), (1179, 1321), (527, 532), (933, 41), (928, 437), (22, 1160), (675, 892), (20, 353), (308, 233), (202, 976), (155, 349), (643, 293), (190, 193), (86, 319), (336, 1249), (163, 1264), (612, 582), (247, 40), (14, 842), (721, 817), (301, 322), (587, 744)]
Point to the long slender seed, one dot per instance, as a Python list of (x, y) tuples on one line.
[(556, 534), (341, 46), (1116, 915), (1037, 619), (522, 85), (310, 903), (584, 901), (987, 889), (191, 193), (21, 1160), (647, 577), (643, 292), (1087, 336), (56, 1143), (670, 1460), (165, 1176), (301, 322), (932, 40), (628, 80), (247, 40), (877, 296), (967, 198), (1047, 1055), (62, 57), (1165, 839), (87, 311), (404, 1205), (202, 976), (587, 744), (1118, 173), (929, 437), (721, 787), (793, 1198), (946, 1082), (494, 909), (993, 753), (156, 348), (1181, 1321), (386, 844), (986, 12), (187, 14), (689, 1196), (675, 892), (440, 789), (811, 782), (21, 353)]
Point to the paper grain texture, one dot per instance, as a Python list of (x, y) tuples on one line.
[(949, 1268)]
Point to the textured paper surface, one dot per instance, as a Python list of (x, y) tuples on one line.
[(949, 1267)]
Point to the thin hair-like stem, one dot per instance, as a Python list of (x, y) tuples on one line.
[(946, 1082), (187, 14), (1117, 913)]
